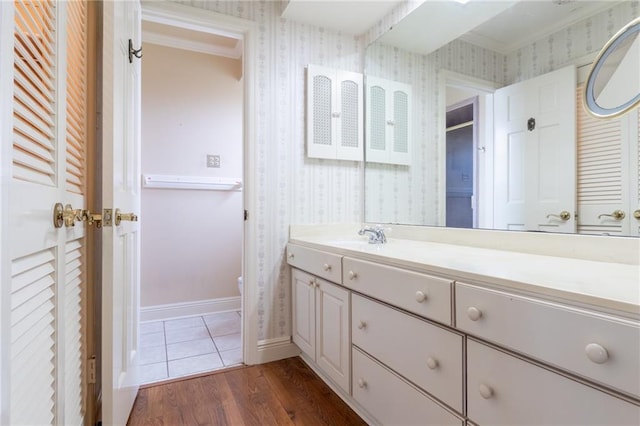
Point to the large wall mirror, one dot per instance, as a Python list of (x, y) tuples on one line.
[(486, 97)]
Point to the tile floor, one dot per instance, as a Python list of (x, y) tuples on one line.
[(185, 346)]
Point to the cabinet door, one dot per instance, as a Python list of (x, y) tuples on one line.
[(332, 332), (389, 121), (334, 114), (505, 390), (304, 325), (348, 116), (400, 124), (320, 108)]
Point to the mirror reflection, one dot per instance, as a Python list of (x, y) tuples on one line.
[(498, 135)]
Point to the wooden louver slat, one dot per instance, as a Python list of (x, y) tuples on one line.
[(76, 128), (599, 158), (34, 94), (33, 358)]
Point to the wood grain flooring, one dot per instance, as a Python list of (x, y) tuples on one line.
[(285, 392)]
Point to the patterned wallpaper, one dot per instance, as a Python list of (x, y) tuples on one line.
[(569, 44), (409, 195), (291, 187)]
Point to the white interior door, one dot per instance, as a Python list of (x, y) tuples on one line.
[(121, 191), (43, 129), (535, 153)]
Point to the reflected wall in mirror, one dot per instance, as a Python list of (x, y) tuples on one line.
[(476, 69)]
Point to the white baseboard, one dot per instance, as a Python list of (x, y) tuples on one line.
[(189, 309), (276, 349)]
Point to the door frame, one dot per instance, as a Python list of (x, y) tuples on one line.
[(484, 163), (201, 19)]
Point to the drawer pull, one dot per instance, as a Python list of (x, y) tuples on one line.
[(485, 391), (327, 267), (313, 283), (362, 383), (291, 256), (597, 353), (362, 325), (420, 296), (474, 313), (432, 363), (353, 275)]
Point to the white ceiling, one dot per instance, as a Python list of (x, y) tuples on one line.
[(348, 16)]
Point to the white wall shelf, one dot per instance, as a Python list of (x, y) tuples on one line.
[(191, 182)]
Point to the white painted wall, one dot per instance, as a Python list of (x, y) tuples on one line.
[(191, 239)]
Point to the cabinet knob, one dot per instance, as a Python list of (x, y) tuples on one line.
[(313, 283), (421, 296), (362, 325), (474, 313), (485, 391), (353, 275), (291, 256), (596, 353), (362, 383), (326, 267), (432, 363)]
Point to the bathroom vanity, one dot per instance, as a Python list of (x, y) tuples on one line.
[(470, 327)]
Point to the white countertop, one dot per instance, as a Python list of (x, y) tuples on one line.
[(607, 285)]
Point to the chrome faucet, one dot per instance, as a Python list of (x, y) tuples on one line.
[(376, 234)]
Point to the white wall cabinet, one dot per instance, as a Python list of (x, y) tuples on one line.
[(481, 355), (389, 118), (335, 120), (321, 318)]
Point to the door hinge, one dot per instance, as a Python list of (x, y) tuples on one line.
[(91, 370), (246, 215)]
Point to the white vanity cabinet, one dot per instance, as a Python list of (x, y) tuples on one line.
[(506, 390), (599, 347), (321, 325), (428, 349)]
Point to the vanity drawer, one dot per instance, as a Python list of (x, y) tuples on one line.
[(391, 400), (597, 346), (503, 389), (427, 355), (319, 263), (421, 294)]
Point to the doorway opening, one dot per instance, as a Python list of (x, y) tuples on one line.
[(461, 179), (467, 127), (192, 201)]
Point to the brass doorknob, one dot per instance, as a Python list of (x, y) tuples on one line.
[(616, 214), (124, 216), (564, 215), (66, 215)]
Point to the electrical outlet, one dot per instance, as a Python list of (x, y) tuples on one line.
[(213, 161)]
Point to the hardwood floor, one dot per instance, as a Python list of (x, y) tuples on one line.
[(284, 392)]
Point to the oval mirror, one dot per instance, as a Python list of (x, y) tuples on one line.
[(613, 85)]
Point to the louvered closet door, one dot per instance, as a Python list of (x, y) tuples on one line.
[(607, 172), (47, 165)]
